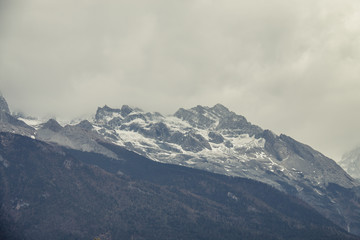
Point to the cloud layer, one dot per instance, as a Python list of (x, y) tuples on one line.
[(290, 66)]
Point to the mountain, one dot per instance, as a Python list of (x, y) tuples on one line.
[(220, 141), (350, 161), (9, 123), (4, 107), (52, 192), (79, 136)]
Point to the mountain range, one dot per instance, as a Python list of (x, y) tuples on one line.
[(202, 144)]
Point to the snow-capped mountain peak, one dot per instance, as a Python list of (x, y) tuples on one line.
[(213, 139), (218, 140)]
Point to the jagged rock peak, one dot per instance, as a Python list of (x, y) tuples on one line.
[(102, 112), (268, 135), (85, 124), (200, 109), (106, 108), (108, 111), (52, 125), (221, 109), (218, 110), (195, 117), (217, 116), (126, 110), (3, 105)]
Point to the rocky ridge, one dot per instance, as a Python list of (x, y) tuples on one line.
[(217, 140), (9, 123), (220, 141)]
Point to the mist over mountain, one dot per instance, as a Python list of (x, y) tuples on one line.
[(350, 161)]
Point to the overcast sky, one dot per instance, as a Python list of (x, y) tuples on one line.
[(292, 66)]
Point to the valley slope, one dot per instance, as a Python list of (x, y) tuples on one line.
[(51, 192)]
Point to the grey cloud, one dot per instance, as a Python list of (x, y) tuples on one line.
[(291, 66)]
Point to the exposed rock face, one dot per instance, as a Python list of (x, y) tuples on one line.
[(193, 142), (317, 167), (52, 125), (195, 117), (80, 136), (125, 110), (221, 110), (86, 125), (105, 111), (131, 117), (3, 105), (215, 137), (8, 123), (238, 125), (217, 118), (158, 131)]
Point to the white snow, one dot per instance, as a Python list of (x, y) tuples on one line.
[(246, 158), (35, 123)]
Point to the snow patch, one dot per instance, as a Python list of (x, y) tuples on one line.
[(35, 123)]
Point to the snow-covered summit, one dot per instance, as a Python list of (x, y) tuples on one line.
[(213, 139), (218, 140)]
